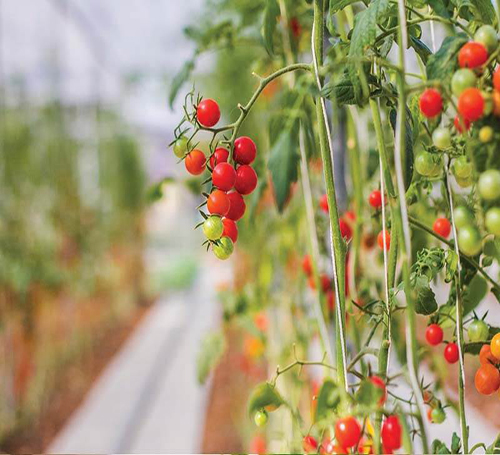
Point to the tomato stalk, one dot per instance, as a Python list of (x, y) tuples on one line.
[(403, 226), (338, 244)]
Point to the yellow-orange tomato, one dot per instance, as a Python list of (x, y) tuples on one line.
[(496, 103), (254, 347), (495, 346), (486, 357), (487, 379)]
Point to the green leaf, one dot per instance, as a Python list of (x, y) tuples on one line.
[(456, 444), (439, 447), (271, 14), (364, 35), (421, 49), (338, 5), (368, 394), (408, 158), (264, 396), (495, 447), (181, 77), (426, 300), (496, 293), (212, 349), (475, 292), (480, 10), (440, 8), (328, 400), (444, 62), (283, 162)]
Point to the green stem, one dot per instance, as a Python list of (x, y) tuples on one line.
[(338, 244), (403, 227)]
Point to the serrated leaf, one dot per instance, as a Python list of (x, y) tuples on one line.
[(444, 62), (212, 349), (475, 292), (364, 35), (327, 401), (181, 77), (421, 49), (426, 300), (408, 158), (271, 14), (283, 163), (264, 396)]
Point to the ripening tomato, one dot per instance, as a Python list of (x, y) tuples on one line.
[(230, 229), (486, 134), (486, 357), (492, 221), (434, 334), (345, 230), (195, 162), (224, 176), (306, 265), (442, 227), (380, 239), (461, 124), (309, 444), (213, 228), (375, 199), (218, 203), (246, 180), (208, 113), (347, 432), (471, 104), (180, 147), (487, 379), (495, 346), (221, 155), (245, 150), (431, 103), (391, 433), (451, 353), (379, 382), (323, 203), (496, 79), (437, 415), (472, 55), (237, 206)]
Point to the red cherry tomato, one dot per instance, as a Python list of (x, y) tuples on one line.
[(309, 444), (431, 103), (326, 283), (380, 239), (224, 176), (323, 203), (375, 199), (306, 265), (237, 206), (461, 124), (246, 180), (345, 230), (347, 432), (451, 353), (496, 79), (391, 433), (330, 300), (295, 27), (472, 55), (195, 162), (379, 382), (245, 150), (258, 445), (442, 227), (487, 379), (471, 104), (230, 229), (434, 334), (350, 216), (221, 155), (218, 203), (208, 113)]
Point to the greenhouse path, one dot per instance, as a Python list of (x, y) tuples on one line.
[(148, 399)]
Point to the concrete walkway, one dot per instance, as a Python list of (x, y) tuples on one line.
[(148, 399)]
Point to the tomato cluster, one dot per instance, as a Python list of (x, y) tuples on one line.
[(231, 178), (487, 378), (434, 335)]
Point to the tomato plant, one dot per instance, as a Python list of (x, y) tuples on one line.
[(356, 146)]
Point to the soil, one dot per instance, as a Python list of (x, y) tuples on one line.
[(74, 383)]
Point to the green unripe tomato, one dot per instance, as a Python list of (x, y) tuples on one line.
[(469, 240), (213, 228), (487, 36), (462, 168), (492, 221), (441, 138), (261, 418), (462, 79), (180, 147), (489, 185), (428, 164), (464, 183), (486, 134), (224, 249), (438, 415), (478, 331), (463, 217)]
